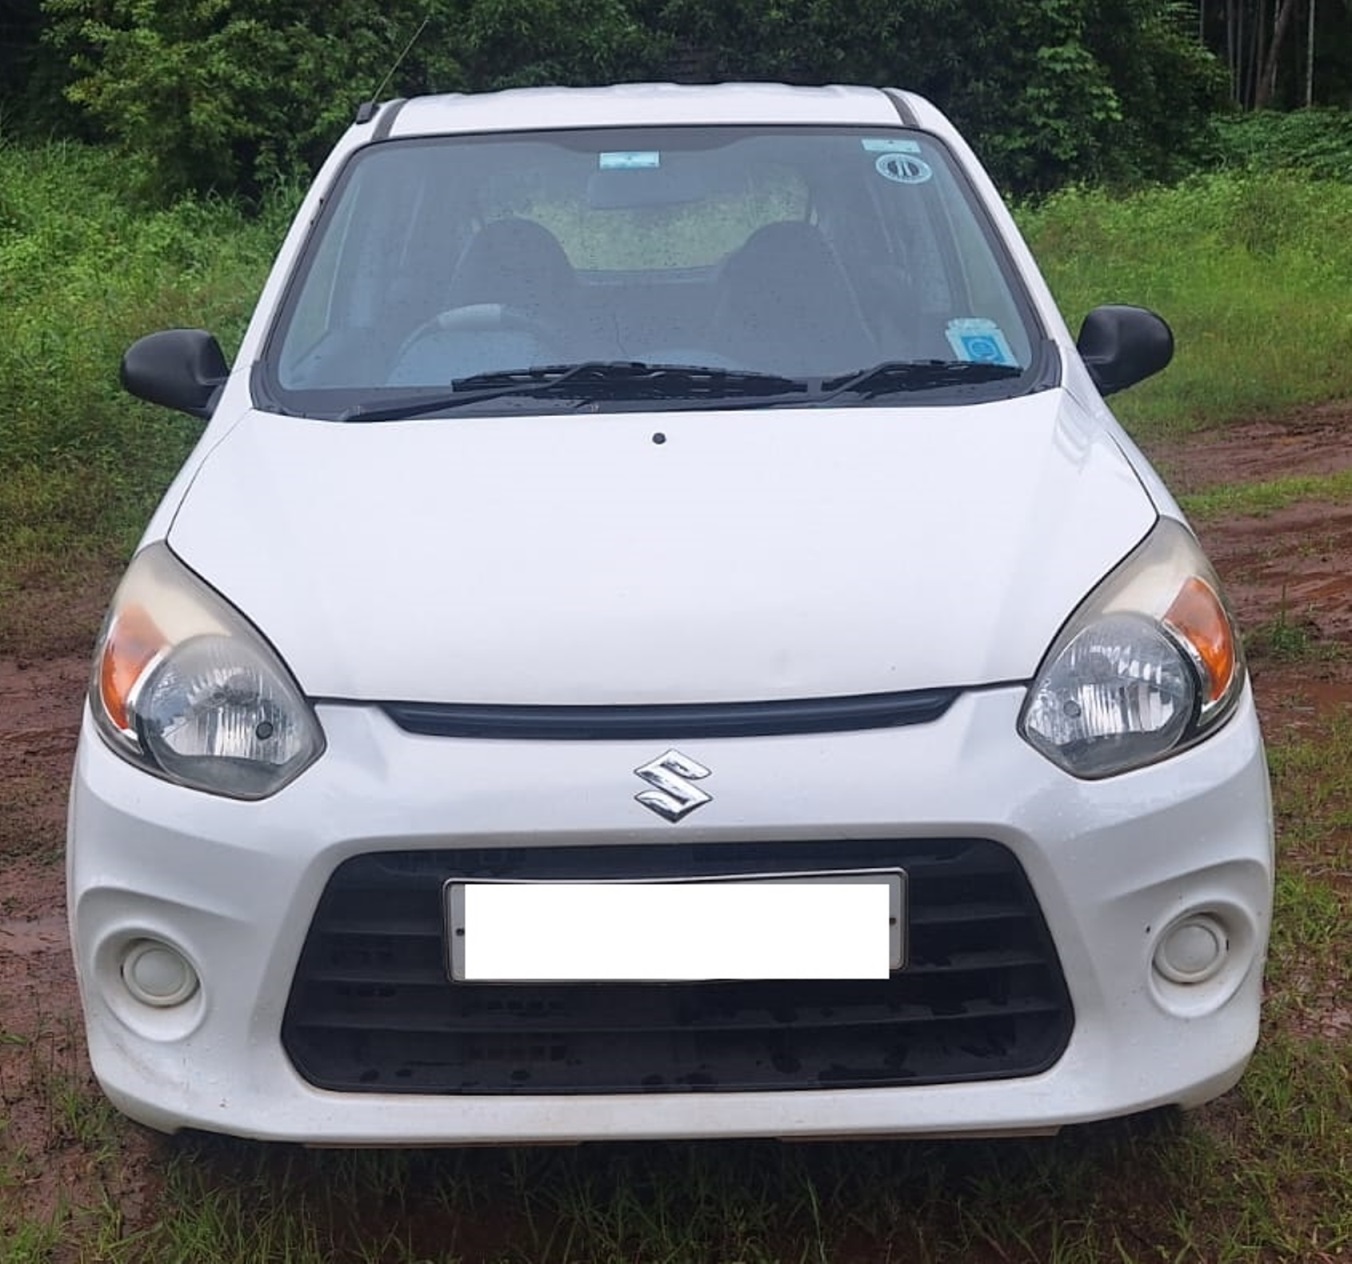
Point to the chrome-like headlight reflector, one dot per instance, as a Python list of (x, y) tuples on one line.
[(1148, 664), (1118, 693), (186, 688)]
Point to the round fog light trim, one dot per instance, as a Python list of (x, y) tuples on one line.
[(158, 975), (1193, 949)]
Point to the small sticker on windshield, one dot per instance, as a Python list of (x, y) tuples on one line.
[(979, 341), (889, 145), (631, 160), (903, 168)]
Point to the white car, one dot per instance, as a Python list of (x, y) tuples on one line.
[(661, 637)]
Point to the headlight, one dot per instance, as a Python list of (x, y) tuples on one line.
[(186, 688), (1149, 664)]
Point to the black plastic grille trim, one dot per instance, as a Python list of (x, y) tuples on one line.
[(673, 722), (372, 1009)]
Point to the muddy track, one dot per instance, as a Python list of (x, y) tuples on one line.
[(1287, 572)]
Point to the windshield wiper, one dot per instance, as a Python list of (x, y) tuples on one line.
[(590, 380), (698, 385), (915, 375), (630, 379)]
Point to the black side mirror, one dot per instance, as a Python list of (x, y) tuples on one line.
[(1121, 346), (182, 369)]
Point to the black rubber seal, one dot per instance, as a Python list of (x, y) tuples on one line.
[(904, 111), (388, 114)]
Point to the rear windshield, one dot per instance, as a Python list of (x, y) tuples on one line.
[(786, 261)]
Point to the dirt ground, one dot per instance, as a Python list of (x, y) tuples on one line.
[(1290, 566), (1291, 569)]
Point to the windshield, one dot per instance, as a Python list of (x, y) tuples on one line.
[(652, 267)]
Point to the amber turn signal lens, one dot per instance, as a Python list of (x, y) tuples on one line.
[(1199, 618), (132, 642)]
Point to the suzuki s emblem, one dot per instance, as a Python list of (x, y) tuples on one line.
[(670, 776)]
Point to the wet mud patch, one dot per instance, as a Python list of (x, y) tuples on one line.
[(62, 1147), (1288, 573), (1316, 441), (40, 704)]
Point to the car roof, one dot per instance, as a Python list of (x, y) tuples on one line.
[(648, 104)]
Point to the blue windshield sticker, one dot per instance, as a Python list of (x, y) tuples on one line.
[(903, 168), (979, 341), (631, 160), (890, 145)]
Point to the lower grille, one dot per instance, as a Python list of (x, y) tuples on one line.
[(372, 1008)]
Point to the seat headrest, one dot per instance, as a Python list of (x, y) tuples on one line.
[(787, 305), (515, 262)]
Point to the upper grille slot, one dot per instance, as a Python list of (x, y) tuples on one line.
[(670, 723)]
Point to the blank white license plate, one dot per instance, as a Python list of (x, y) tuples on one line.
[(818, 926)]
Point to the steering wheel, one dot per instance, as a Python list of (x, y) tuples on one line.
[(479, 318)]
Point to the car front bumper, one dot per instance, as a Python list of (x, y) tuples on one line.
[(234, 886)]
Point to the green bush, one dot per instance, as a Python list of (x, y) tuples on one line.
[(1317, 142), (230, 94), (1250, 270), (85, 274), (508, 44), (33, 76), (1047, 92)]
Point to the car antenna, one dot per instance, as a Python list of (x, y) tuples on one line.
[(367, 108)]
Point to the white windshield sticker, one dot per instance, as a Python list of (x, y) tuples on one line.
[(903, 168), (631, 160), (889, 145), (979, 341)]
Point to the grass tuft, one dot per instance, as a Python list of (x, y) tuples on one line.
[(1233, 499), (86, 273), (1249, 269)]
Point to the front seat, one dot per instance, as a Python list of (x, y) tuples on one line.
[(786, 306), (510, 304), (516, 263)]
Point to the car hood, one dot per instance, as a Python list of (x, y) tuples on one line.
[(680, 557)]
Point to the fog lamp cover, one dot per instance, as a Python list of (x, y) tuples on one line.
[(1193, 949), (157, 974)]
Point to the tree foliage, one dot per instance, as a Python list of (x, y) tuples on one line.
[(227, 94), (1048, 91), (235, 93), (1316, 142), (33, 75), (511, 44), (1281, 52)]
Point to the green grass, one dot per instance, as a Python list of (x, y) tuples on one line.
[(1261, 1178), (42, 1215), (1230, 499), (85, 273), (1289, 638), (1250, 270)]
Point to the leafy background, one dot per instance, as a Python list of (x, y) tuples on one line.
[(233, 95)]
